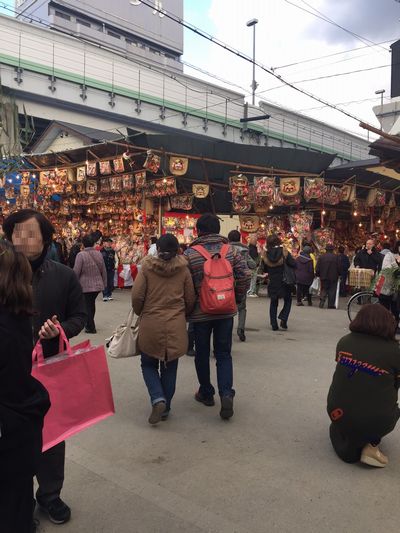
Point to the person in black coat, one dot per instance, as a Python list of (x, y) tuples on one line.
[(328, 270), (57, 299), (344, 263), (304, 275), (369, 257), (23, 400), (280, 266), (108, 254), (362, 400)]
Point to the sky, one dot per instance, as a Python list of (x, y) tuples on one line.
[(290, 32)]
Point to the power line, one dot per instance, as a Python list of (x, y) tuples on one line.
[(330, 55), (323, 17)]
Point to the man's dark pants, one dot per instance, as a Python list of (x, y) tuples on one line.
[(50, 473), (222, 342), (328, 289)]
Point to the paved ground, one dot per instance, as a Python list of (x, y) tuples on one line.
[(269, 469)]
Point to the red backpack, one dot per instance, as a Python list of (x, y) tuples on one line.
[(217, 293)]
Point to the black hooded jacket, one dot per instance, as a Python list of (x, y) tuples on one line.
[(274, 265), (56, 291)]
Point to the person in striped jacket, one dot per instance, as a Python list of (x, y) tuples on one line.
[(221, 326)]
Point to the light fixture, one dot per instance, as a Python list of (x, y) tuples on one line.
[(88, 210), (34, 176), (379, 221), (110, 221), (9, 180), (355, 213), (18, 177), (323, 212), (263, 226), (360, 224), (164, 180), (385, 237), (271, 207)]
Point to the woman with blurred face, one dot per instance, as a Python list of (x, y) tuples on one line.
[(57, 300)]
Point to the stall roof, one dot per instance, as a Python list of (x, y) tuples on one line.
[(226, 158)]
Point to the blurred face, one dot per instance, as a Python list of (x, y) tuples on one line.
[(27, 238), (370, 244)]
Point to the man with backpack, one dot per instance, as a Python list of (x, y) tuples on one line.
[(234, 239), (221, 279)]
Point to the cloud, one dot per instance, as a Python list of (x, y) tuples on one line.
[(286, 35), (376, 20)]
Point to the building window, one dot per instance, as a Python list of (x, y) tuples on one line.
[(133, 43), (62, 15), (83, 23), (115, 35)]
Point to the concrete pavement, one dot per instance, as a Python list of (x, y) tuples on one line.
[(270, 469)]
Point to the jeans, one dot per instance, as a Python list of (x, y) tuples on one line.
[(303, 291), (222, 340), (328, 288), (17, 506), (191, 336), (50, 473), (287, 305), (253, 282), (90, 299), (110, 284), (160, 379), (242, 312)]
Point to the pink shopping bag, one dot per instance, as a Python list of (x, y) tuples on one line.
[(78, 382)]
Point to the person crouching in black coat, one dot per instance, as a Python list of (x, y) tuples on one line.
[(23, 400), (362, 400)]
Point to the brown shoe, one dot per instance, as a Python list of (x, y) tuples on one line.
[(156, 413), (372, 456)]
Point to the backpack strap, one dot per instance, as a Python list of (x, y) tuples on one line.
[(202, 251), (224, 250)]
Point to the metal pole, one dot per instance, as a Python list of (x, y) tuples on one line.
[(254, 66)]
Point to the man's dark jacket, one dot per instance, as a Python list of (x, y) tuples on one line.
[(57, 291), (328, 267), (371, 261)]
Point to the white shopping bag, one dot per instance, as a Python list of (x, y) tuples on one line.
[(315, 287)]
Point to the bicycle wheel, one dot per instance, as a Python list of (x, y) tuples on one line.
[(358, 300)]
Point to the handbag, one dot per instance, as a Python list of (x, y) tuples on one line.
[(315, 286), (123, 342), (289, 276), (78, 383)]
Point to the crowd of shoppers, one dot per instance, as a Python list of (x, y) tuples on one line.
[(204, 284)]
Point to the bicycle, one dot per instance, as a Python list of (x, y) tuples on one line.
[(358, 300)]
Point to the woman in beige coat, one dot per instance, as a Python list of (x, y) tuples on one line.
[(162, 295)]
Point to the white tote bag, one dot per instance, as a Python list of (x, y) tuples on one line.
[(123, 342), (315, 286)]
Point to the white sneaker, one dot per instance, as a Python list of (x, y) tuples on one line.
[(110, 298), (372, 456), (105, 299), (252, 295)]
